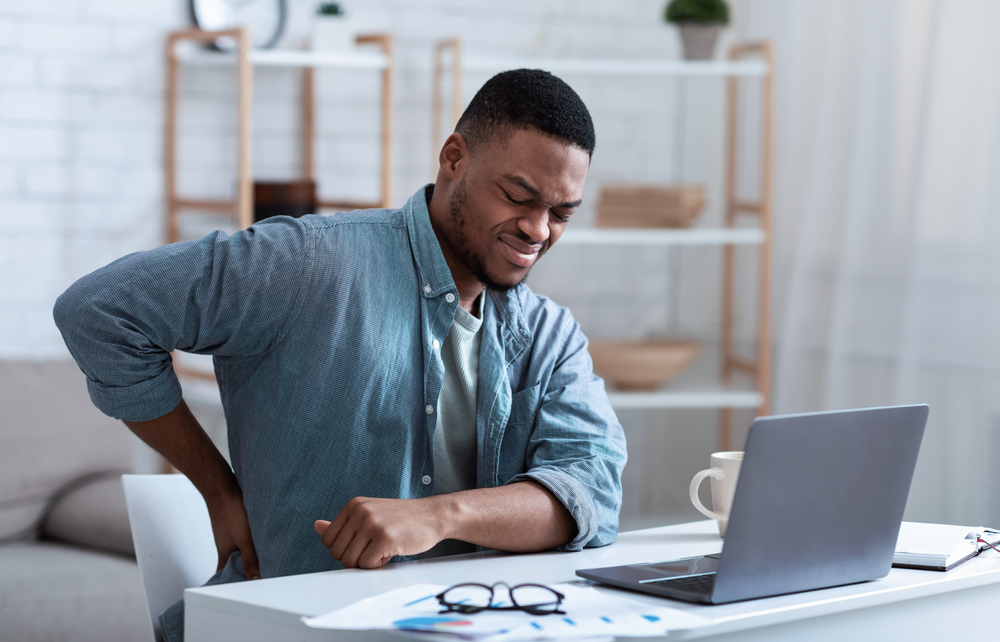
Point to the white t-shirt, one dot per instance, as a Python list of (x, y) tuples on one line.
[(455, 435)]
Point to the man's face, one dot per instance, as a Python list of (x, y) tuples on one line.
[(512, 204)]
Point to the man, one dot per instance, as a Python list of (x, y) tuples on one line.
[(389, 383)]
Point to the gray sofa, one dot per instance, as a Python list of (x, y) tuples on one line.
[(67, 567)]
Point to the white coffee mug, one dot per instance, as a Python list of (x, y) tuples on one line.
[(725, 472)]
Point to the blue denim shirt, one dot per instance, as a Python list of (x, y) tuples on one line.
[(322, 332)]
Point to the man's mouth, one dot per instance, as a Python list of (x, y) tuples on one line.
[(519, 252)]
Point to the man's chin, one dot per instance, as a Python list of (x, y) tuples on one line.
[(502, 280), (505, 282)]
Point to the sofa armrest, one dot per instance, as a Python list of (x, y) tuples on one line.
[(92, 515)]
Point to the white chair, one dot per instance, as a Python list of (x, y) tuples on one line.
[(173, 539)]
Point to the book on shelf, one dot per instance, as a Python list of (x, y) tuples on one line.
[(939, 547)]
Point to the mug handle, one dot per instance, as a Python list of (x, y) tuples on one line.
[(714, 473)]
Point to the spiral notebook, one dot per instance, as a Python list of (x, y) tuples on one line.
[(940, 547)]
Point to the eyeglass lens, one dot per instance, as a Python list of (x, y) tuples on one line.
[(539, 599), (469, 596)]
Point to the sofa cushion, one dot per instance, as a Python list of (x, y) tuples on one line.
[(93, 515), (50, 433), (51, 591)]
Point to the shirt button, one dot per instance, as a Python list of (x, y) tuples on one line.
[(427, 288), (450, 298), (429, 409), (436, 344), (426, 480)]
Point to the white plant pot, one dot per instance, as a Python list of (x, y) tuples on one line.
[(332, 34), (699, 40)]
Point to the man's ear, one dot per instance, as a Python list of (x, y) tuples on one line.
[(453, 154)]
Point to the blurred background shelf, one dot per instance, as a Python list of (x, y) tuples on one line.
[(708, 395), (286, 58), (689, 236), (184, 49)]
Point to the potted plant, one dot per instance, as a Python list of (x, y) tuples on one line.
[(699, 22), (331, 29)]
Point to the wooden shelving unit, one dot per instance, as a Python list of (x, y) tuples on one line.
[(243, 62), (746, 60)]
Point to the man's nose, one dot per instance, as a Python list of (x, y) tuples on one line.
[(535, 225)]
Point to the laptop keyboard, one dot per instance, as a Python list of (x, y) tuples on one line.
[(696, 584)]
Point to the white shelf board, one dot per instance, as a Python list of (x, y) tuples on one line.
[(286, 58), (606, 67), (685, 236), (719, 398)]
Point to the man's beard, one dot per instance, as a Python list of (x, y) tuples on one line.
[(474, 261)]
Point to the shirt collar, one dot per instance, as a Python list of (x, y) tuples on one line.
[(432, 269)]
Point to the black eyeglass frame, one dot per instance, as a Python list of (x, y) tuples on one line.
[(527, 608)]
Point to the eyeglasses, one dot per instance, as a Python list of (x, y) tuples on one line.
[(535, 599)]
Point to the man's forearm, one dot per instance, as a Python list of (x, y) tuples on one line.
[(518, 518), (179, 437)]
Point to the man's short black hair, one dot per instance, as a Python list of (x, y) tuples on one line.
[(526, 99)]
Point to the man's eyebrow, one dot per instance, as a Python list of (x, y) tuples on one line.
[(531, 189), (520, 180)]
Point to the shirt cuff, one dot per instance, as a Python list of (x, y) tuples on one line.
[(141, 401), (574, 496)]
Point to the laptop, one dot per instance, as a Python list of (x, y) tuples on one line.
[(818, 504)]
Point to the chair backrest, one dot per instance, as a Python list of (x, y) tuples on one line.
[(173, 539)]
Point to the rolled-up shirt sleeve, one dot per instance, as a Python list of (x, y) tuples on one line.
[(221, 295), (577, 446)]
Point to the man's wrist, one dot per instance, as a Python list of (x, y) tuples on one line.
[(446, 511), (219, 489)]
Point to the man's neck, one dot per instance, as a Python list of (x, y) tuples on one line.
[(468, 286), (477, 305)]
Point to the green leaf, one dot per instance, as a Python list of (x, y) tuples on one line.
[(700, 11)]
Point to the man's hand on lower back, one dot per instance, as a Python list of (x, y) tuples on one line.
[(368, 532), (231, 528)]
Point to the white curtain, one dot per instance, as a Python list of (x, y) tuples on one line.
[(887, 225)]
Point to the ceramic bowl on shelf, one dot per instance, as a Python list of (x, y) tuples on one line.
[(642, 365)]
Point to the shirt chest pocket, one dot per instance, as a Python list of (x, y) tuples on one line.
[(524, 407), (515, 453)]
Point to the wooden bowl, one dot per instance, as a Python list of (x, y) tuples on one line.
[(642, 365)]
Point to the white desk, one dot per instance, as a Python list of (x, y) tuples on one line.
[(907, 604)]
